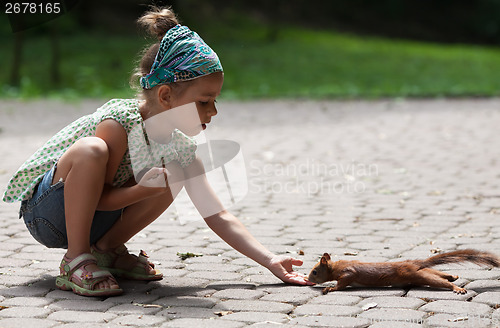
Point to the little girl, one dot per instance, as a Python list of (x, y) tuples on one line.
[(78, 191)]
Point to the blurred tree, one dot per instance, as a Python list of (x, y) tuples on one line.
[(17, 55)]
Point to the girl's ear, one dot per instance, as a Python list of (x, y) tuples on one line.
[(165, 96)]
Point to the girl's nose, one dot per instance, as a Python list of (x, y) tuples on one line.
[(212, 111)]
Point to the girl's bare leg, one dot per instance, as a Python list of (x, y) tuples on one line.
[(135, 218), (83, 170)]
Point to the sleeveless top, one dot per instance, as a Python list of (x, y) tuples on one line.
[(145, 153)]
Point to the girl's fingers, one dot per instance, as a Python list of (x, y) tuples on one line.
[(297, 278)]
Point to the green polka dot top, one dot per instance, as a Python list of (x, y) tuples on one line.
[(145, 153)]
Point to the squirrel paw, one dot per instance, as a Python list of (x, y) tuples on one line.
[(459, 290)]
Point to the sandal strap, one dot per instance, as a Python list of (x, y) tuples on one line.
[(89, 279), (75, 269), (108, 258), (68, 267)]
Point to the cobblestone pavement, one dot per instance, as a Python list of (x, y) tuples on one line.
[(373, 181)]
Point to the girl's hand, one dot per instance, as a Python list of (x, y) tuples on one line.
[(281, 267), (154, 178)]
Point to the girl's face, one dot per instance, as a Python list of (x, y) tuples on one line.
[(202, 92)]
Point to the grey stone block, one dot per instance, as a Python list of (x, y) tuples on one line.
[(239, 294), (25, 312), (395, 324), (394, 302), (335, 299), (394, 314), (457, 307), (253, 305), (457, 320), (189, 301), (176, 312), (26, 301), (490, 298), (330, 321), (205, 323), (437, 294), (290, 298), (326, 310), (28, 323), (142, 320), (81, 316), (254, 317), (83, 304), (135, 308)]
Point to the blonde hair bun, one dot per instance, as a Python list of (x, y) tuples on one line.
[(157, 21)]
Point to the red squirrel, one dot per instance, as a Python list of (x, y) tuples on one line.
[(409, 272)]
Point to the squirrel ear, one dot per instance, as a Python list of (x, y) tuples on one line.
[(325, 258)]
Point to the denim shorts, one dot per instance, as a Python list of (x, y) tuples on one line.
[(45, 219)]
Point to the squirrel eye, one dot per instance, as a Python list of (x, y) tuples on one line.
[(315, 273)]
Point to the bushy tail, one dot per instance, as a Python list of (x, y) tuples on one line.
[(465, 255)]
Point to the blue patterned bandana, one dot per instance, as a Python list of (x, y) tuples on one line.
[(183, 55)]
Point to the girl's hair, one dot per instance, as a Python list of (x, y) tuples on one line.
[(157, 21)]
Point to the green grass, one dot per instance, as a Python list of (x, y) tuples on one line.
[(298, 63)]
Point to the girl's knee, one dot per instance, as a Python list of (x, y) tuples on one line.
[(92, 148)]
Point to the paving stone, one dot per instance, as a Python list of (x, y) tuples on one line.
[(26, 301), (290, 298), (222, 285), (394, 314), (27, 323), (130, 297), (9, 280), (58, 294), (88, 325), (176, 312), (457, 320), (205, 323), (262, 279), (369, 292), (457, 307), (426, 197), (393, 302), (478, 274), (142, 320), (81, 305), (179, 285), (24, 291), (325, 310), (394, 324), (135, 308), (433, 294), (214, 275), (81, 316), (253, 317), (330, 321), (253, 305), (490, 298), (273, 325), (190, 301), (25, 312), (335, 299), (239, 294), (484, 285)]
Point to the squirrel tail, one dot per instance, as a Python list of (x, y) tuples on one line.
[(465, 255)]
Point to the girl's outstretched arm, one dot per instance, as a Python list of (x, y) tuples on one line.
[(232, 231)]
